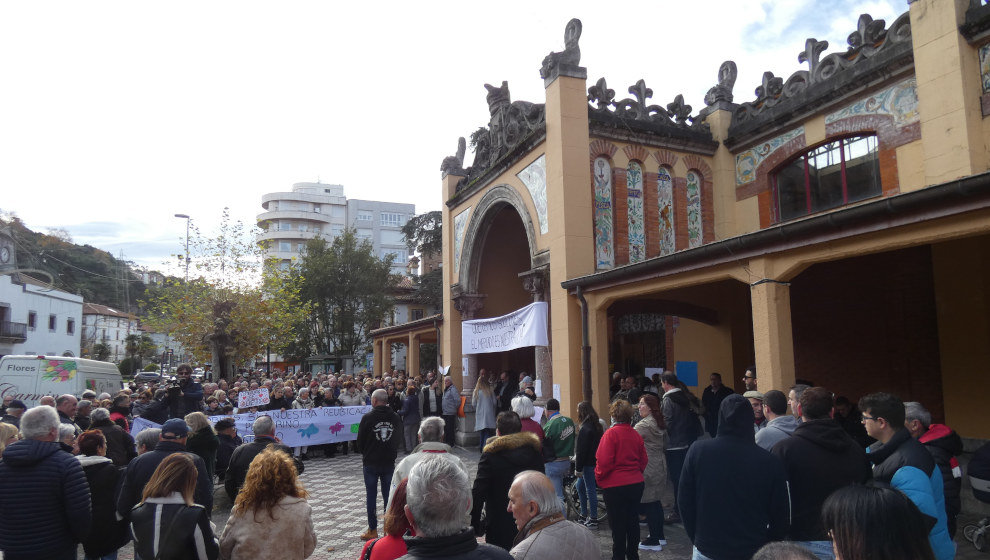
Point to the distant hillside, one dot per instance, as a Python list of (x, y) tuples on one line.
[(79, 269)]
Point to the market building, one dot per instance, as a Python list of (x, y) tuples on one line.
[(834, 229)]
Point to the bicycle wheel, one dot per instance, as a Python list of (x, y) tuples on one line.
[(969, 531), (602, 512), (572, 500)]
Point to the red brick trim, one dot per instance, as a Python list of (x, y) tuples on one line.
[(620, 213), (666, 158), (889, 181), (888, 135), (636, 153), (604, 148), (695, 162), (786, 151)]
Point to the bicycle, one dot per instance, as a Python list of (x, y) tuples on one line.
[(574, 502)]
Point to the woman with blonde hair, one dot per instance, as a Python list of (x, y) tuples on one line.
[(271, 502), (483, 400), (8, 435), (167, 525), (203, 440)]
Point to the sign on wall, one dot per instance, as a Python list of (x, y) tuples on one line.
[(519, 329)]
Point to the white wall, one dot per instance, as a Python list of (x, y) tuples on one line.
[(23, 299)]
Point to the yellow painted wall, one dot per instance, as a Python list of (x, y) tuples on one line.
[(962, 298), (710, 346)]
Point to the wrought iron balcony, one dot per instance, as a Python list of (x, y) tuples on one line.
[(13, 332)]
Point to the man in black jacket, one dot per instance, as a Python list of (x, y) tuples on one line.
[(378, 440), (184, 397), (229, 441), (44, 496), (819, 457), (171, 440), (510, 452), (240, 459), (728, 475)]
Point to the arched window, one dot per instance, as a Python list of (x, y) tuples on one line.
[(604, 243), (694, 209), (826, 177), (637, 230), (665, 202)]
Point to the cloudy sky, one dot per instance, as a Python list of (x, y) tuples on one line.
[(116, 115)]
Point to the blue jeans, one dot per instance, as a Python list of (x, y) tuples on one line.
[(556, 471), (483, 435), (822, 549), (587, 492), (372, 475)]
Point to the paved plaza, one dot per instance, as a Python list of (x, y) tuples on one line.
[(336, 488)]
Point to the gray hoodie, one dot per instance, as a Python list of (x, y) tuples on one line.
[(777, 429)]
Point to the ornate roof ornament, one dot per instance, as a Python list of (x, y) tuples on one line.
[(601, 95), (869, 40), (454, 165), (726, 81), (679, 110), (568, 60), (637, 109)]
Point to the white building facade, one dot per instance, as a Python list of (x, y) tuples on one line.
[(38, 320), (313, 210), (109, 326)]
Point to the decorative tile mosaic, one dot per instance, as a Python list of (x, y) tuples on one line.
[(460, 226), (665, 202), (535, 179), (637, 231), (604, 234), (985, 67), (748, 161), (694, 209), (899, 101)]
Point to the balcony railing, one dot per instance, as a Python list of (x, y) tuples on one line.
[(9, 329)]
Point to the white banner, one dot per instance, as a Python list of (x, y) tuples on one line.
[(294, 427), (519, 329), (256, 397)]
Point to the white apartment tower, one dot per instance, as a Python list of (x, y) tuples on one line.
[(292, 218)]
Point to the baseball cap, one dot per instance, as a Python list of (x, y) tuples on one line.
[(753, 395), (175, 429), (17, 404)]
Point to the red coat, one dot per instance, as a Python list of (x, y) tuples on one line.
[(621, 457)]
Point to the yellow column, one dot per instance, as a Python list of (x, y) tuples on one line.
[(571, 231), (412, 355), (376, 361), (949, 87), (772, 335), (450, 341)]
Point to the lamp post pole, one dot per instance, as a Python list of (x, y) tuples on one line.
[(186, 217)]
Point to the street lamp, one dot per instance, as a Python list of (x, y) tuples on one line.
[(184, 216)]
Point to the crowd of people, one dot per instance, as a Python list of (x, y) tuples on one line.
[(763, 475)]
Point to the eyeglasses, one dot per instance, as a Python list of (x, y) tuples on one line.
[(749, 377), (865, 418)]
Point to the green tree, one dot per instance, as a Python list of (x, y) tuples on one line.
[(424, 234), (132, 345), (347, 287), (235, 306), (101, 351)]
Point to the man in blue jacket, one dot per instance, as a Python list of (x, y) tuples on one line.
[(44, 496), (904, 463)]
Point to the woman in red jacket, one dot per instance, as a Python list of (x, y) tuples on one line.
[(621, 460)]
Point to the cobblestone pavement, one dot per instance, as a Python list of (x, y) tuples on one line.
[(336, 488)]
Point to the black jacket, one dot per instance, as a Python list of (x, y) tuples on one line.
[(141, 468), (587, 445), (503, 458), (156, 411), (181, 528), (9, 419), (241, 459), (205, 444), (945, 444), (712, 400), (107, 533), (181, 402), (683, 425), (462, 546), (278, 404), (819, 458), (120, 444), (44, 501), (227, 446), (379, 437), (429, 394), (733, 493)]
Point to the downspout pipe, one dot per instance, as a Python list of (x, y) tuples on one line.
[(586, 389)]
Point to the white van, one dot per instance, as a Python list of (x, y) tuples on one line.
[(28, 378)]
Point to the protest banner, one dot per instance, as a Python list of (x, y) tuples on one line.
[(140, 424), (255, 397), (523, 327), (299, 426)]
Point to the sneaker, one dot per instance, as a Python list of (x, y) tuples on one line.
[(591, 524), (369, 534), (663, 542), (651, 544)]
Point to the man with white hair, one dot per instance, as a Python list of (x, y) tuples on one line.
[(430, 441), (378, 439), (44, 496), (544, 532), (438, 498)]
